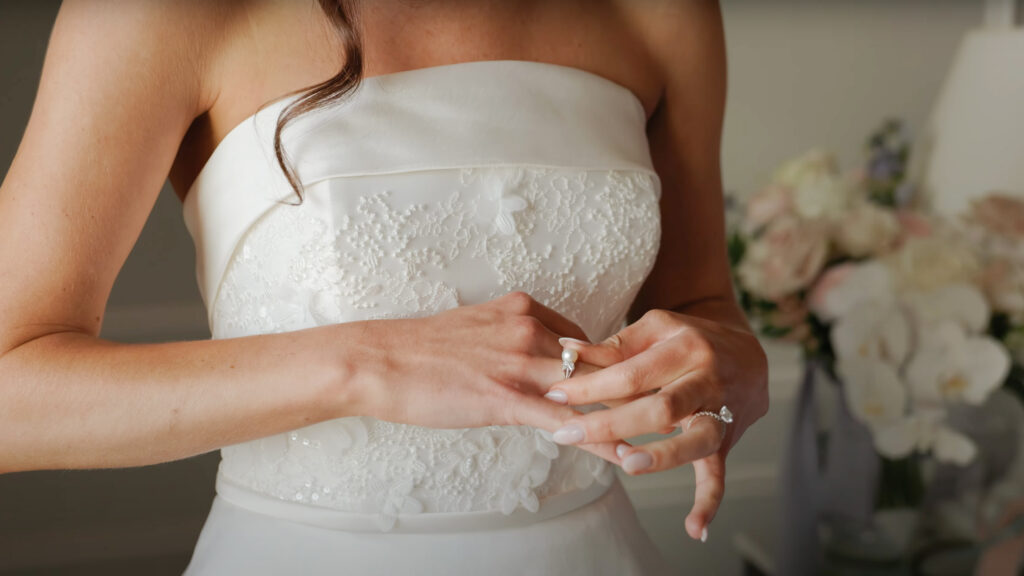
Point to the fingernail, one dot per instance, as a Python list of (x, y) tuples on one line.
[(620, 450), (637, 461), (571, 434), (566, 340), (704, 534), (557, 396)]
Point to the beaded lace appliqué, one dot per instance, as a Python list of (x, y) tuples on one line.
[(579, 241)]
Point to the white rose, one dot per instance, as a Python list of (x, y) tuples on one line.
[(786, 258), (962, 304), (926, 263), (819, 192), (808, 166), (866, 230)]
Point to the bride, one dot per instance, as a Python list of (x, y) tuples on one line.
[(445, 284)]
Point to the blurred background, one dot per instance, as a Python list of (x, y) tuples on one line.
[(801, 74)]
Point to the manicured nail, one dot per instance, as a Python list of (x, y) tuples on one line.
[(620, 450), (557, 396), (566, 340), (637, 461), (571, 434), (704, 534)]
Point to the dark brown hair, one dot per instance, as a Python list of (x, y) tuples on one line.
[(344, 16)]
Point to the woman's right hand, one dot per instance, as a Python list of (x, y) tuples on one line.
[(470, 366)]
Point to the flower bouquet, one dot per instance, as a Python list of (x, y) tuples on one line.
[(913, 315)]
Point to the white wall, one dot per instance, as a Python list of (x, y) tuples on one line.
[(826, 72), (800, 74)]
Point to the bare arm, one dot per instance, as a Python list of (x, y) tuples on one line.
[(691, 274), (121, 83)]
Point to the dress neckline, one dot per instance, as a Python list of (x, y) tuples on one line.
[(190, 195)]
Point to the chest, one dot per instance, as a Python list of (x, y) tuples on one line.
[(292, 45)]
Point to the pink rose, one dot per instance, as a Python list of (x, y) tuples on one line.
[(999, 214), (785, 259), (791, 312), (819, 299), (771, 202), (913, 224), (1003, 283)]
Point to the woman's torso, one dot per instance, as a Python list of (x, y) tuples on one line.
[(270, 48), (428, 188)]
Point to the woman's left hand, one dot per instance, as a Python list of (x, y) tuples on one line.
[(654, 374)]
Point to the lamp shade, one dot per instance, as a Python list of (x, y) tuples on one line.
[(974, 142)]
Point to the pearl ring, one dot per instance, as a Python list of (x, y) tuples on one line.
[(569, 357)]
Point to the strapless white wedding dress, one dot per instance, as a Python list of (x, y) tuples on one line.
[(425, 190)]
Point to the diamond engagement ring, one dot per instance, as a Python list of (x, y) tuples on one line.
[(569, 357), (724, 416)]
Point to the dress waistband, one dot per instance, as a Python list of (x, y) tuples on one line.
[(333, 519)]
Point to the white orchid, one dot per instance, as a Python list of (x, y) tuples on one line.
[(924, 431), (873, 330), (878, 398), (951, 366), (873, 391)]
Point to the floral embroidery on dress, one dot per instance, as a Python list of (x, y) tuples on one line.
[(579, 241)]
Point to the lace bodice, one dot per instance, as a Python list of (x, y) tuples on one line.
[(427, 190)]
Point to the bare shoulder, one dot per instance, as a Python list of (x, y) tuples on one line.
[(254, 51), (121, 82), (683, 37), (173, 44)]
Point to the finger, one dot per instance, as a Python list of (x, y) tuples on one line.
[(538, 374), (653, 368), (553, 320), (710, 475), (606, 450), (701, 440), (540, 413), (642, 416), (616, 404), (652, 327)]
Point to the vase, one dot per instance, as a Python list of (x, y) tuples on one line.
[(963, 513), (830, 522), (869, 511)]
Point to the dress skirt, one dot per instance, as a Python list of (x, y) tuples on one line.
[(601, 538)]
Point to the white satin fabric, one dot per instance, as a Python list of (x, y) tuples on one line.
[(425, 190)]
